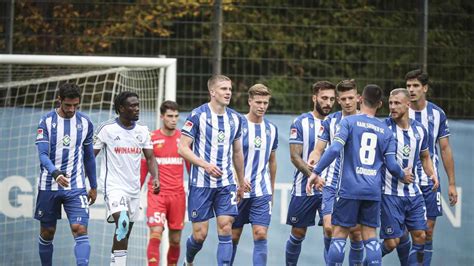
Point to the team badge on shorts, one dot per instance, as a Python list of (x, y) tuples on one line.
[(194, 214), (294, 219), (388, 230), (40, 213)]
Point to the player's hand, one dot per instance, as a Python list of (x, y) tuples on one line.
[(92, 195), (408, 178), (311, 163), (453, 195), (156, 186), (435, 180), (61, 178), (213, 170), (314, 181), (240, 194), (246, 185)]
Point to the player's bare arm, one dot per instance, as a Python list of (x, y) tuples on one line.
[(185, 151), (427, 164), (153, 169), (296, 152), (272, 164), (238, 160), (448, 162), (315, 155)]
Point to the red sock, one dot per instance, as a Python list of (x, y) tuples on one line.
[(153, 252), (173, 254)]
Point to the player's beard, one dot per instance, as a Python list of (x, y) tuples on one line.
[(320, 110)]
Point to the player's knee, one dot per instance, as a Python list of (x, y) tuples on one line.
[(429, 234), (260, 234), (78, 230), (156, 234), (355, 235), (200, 236), (390, 244), (225, 228), (175, 239), (47, 233), (298, 232)]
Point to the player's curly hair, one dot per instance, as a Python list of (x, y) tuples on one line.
[(121, 98), (69, 90)]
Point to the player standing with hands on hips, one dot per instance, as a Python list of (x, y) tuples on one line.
[(122, 141), (64, 142)]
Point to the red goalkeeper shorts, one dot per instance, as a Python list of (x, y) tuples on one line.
[(168, 208)]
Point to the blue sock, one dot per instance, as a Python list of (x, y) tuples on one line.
[(192, 248), (82, 250), (224, 250), (260, 252), (293, 250), (45, 251), (336, 251), (403, 249), (428, 253), (234, 251), (327, 244), (373, 252), (385, 250), (416, 254), (356, 254)]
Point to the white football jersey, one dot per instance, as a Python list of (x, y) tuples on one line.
[(121, 150)]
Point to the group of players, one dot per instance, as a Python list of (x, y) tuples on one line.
[(369, 167)]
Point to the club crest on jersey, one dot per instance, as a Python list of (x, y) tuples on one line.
[(66, 140), (406, 151), (139, 138), (293, 133), (220, 137), (188, 126), (258, 142), (39, 134)]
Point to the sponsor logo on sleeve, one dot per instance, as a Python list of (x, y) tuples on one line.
[(293, 133), (39, 134), (188, 126)]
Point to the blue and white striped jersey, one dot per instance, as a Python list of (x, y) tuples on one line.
[(305, 130), (258, 142), (435, 122), (330, 125), (410, 143), (65, 138), (213, 136)]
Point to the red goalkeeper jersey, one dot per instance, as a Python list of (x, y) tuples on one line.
[(170, 163)]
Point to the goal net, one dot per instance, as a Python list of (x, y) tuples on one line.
[(28, 90)]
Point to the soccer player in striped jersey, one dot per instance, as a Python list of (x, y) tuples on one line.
[(303, 136), (168, 206), (64, 142), (403, 206), (434, 120), (210, 141), (122, 141), (367, 145), (259, 143), (348, 98)]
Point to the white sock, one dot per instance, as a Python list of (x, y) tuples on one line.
[(112, 259), (120, 257)]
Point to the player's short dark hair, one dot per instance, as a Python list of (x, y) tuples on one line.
[(121, 98), (168, 105), (322, 85), (69, 90), (346, 85), (372, 95), (418, 74)]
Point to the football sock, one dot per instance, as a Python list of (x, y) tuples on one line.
[(153, 251), (82, 250), (224, 250), (260, 252), (173, 254), (192, 248), (336, 251), (45, 251), (293, 250), (416, 254), (403, 249), (356, 254), (373, 252), (327, 244), (112, 259), (428, 253), (120, 257)]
